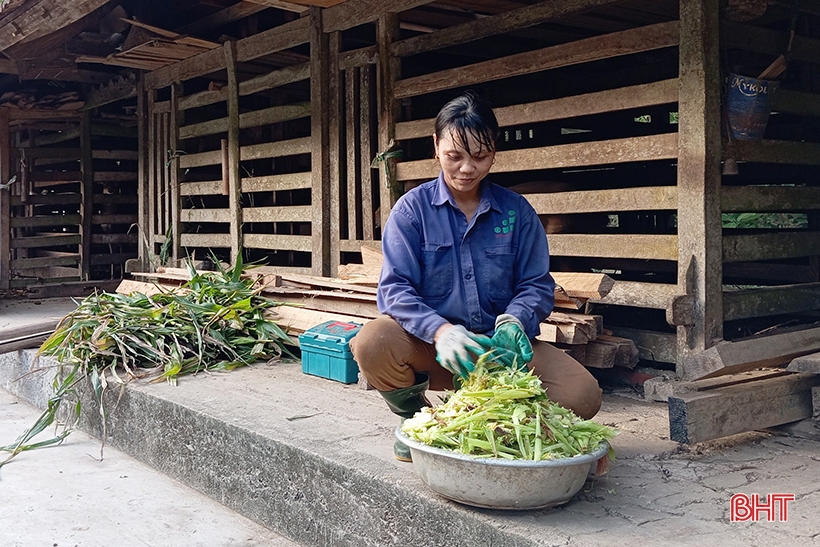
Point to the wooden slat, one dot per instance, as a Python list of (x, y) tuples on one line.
[(276, 183), (297, 320), (45, 241), (652, 346), (508, 21), (652, 198), (358, 12), (768, 151), (769, 198), (582, 51), (353, 138), (278, 214), (108, 199), (49, 199), (277, 149), (749, 247), (648, 148), (765, 301), (762, 40), (44, 262), (205, 215), (275, 114), (661, 92), (584, 285), (53, 153), (206, 240), (107, 239), (366, 152), (114, 176), (87, 193), (723, 411), (643, 246), (279, 242), (639, 294), (200, 159), (44, 221), (114, 258), (131, 155), (359, 57), (204, 188), (5, 199)]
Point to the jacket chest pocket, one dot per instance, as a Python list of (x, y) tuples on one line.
[(436, 270), (499, 273)]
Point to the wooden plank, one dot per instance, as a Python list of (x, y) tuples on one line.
[(761, 351), (770, 246), (234, 176), (660, 388), (278, 78), (279, 242), (279, 38), (699, 177), (360, 304), (388, 72), (265, 116), (71, 288), (49, 199), (639, 294), (353, 13), (115, 258), (765, 301), (175, 120), (762, 40), (200, 159), (744, 407), (770, 151), (335, 129), (206, 240), (661, 92), (632, 149), (45, 241), (28, 23), (806, 363), (222, 17), (642, 246), (359, 57), (44, 262), (297, 320), (198, 65), (586, 50), (647, 198), (5, 199), (277, 183), (366, 152), (769, 198), (320, 139), (626, 355), (130, 155), (562, 334), (290, 213), (276, 149), (205, 215), (584, 285), (353, 138), (45, 221), (508, 21), (600, 355), (655, 346), (204, 188), (322, 283), (87, 193), (108, 239)]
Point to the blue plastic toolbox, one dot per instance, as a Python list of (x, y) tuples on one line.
[(326, 351)]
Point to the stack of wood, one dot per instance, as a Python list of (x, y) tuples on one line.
[(352, 297)]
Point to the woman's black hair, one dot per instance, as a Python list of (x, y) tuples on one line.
[(465, 116)]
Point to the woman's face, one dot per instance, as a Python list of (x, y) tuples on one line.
[(462, 172)]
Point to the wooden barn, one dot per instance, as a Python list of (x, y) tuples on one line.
[(135, 133)]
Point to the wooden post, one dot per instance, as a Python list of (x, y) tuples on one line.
[(87, 196), (700, 266), (5, 201), (234, 181), (387, 32), (175, 120), (144, 181), (335, 135), (151, 212), (366, 173), (320, 140)]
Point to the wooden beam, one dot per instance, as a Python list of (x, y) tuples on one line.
[(234, 176), (581, 51), (723, 411), (770, 246), (661, 92), (651, 198), (765, 301), (762, 351), (206, 240), (640, 246), (175, 120), (760, 199), (509, 21), (39, 18), (337, 170), (87, 193), (254, 118), (389, 70), (5, 199), (279, 242), (639, 294), (631, 149), (290, 213), (353, 13), (320, 138), (274, 183), (230, 14), (769, 151), (143, 170), (699, 146)]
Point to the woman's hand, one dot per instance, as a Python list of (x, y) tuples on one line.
[(509, 335), (457, 348)]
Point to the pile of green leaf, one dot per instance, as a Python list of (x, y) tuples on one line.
[(502, 412), (216, 321)]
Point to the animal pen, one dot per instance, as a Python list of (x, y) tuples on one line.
[(286, 132)]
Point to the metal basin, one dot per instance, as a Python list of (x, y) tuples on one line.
[(496, 483)]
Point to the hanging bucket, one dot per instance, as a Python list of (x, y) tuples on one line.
[(748, 105)]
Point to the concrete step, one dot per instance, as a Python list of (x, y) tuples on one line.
[(312, 460)]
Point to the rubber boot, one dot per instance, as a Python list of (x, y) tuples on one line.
[(405, 403)]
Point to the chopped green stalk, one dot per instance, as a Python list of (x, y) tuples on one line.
[(505, 413)]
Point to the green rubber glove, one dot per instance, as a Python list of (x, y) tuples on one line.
[(457, 348), (509, 335)]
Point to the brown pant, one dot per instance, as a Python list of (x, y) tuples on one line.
[(389, 357)]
